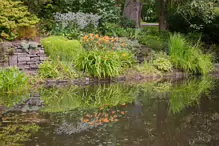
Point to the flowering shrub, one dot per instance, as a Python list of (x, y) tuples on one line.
[(104, 56), (81, 20)]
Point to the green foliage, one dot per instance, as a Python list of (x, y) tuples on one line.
[(12, 99), (153, 38), (104, 56), (163, 64), (13, 16), (15, 134), (148, 68), (202, 11), (57, 70), (112, 29), (62, 48), (13, 80), (92, 97), (149, 11), (189, 93), (189, 58), (100, 63)]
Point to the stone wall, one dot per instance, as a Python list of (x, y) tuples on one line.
[(28, 59)]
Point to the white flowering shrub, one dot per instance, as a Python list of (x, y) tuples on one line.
[(79, 19)]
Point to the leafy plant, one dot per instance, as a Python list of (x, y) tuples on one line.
[(189, 58), (100, 63), (62, 48), (92, 97), (13, 80), (13, 16), (57, 70), (163, 64)]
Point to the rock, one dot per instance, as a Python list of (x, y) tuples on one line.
[(13, 60), (23, 58)]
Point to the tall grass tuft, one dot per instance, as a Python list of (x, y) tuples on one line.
[(61, 47), (189, 58), (12, 80)]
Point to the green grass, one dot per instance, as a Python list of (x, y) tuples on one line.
[(189, 58)]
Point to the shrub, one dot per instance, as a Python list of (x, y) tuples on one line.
[(14, 15), (13, 80), (147, 68), (62, 48), (163, 64), (57, 70), (189, 58), (153, 38), (80, 20)]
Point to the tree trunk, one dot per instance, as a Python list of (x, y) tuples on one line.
[(132, 10), (162, 9)]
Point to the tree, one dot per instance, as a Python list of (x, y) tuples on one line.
[(163, 11)]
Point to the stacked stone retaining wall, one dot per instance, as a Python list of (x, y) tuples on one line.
[(13, 54)]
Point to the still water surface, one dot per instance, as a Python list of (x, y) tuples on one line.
[(164, 113)]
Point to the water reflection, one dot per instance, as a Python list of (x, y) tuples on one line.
[(157, 113)]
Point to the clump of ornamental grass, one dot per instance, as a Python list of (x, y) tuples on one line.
[(189, 58), (13, 80), (57, 69), (61, 47)]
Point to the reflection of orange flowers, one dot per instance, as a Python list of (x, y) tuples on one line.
[(86, 120), (105, 120)]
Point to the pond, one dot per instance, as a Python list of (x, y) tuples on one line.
[(160, 113)]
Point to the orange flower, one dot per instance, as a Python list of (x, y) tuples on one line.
[(123, 112), (123, 45), (92, 123), (92, 39), (106, 38), (117, 39), (106, 41), (124, 55), (91, 34), (97, 36), (101, 108)]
